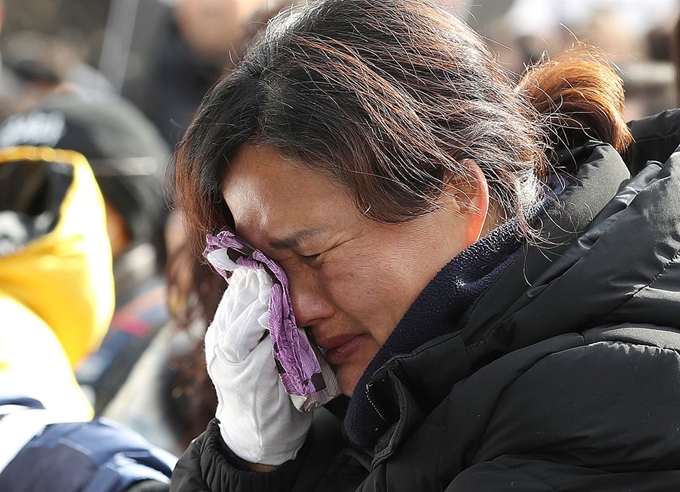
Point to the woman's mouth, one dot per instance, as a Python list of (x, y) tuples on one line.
[(340, 348)]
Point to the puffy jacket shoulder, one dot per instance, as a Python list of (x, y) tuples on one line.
[(655, 138), (600, 416)]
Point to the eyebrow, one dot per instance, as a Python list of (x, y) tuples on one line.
[(295, 238)]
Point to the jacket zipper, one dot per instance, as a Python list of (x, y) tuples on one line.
[(370, 400)]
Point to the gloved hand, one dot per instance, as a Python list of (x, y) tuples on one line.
[(306, 375), (257, 419)]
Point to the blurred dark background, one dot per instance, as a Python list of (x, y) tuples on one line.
[(82, 22)]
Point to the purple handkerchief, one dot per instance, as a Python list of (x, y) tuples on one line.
[(306, 375)]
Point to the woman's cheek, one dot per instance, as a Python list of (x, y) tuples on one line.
[(350, 286), (331, 275), (342, 273)]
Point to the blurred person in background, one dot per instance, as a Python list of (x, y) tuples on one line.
[(634, 35), (128, 158), (56, 302), (191, 52), (34, 63), (55, 274), (42, 62), (639, 55)]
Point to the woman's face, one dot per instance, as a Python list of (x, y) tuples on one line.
[(351, 279)]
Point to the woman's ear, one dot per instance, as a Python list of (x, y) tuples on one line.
[(479, 210), (472, 194)]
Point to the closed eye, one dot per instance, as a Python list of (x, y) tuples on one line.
[(311, 258)]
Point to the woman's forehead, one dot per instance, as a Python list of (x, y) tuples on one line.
[(267, 192)]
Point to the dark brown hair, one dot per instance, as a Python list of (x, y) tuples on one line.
[(389, 99)]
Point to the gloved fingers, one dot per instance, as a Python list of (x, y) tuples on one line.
[(282, 428), (269, 388), (220, 259), (257, 378), (246, 287), (250, 284), (243, 390), (241, 318), (255, 280), (234, 339), (235, 385)]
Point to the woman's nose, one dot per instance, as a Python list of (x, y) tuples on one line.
[(310, 306)]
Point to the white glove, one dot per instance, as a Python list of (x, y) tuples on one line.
[(257, 419)]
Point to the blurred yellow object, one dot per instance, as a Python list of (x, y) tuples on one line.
[(56, 289)]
